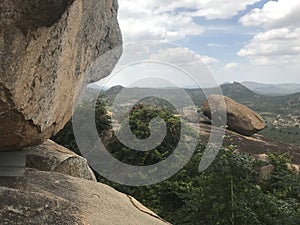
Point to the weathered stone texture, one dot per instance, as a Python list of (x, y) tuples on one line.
[(45, 48), (239, 118), (53, 198)]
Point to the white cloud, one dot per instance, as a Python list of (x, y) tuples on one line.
[(279, 43), (172, 19), (154, 60), (159, 27), (144, 20), (180, 55), (207, 60), (231, 66), (274, 14)]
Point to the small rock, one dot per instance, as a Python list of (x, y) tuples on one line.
[(294, 167), (50, 156), (262, 157)]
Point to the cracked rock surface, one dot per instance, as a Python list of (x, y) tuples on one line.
[(46, 46)]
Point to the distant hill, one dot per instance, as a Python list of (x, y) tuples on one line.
[(247, 88), (238, 91), (281, 113), (272, 89), (283, 104)]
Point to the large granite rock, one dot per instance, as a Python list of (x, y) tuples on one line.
[(239, 117), (53, 198), (46, 46), (50, 156)]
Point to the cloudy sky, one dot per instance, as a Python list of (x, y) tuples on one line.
[(240, 40)]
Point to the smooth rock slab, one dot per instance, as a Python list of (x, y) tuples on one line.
[(53, 198), (46, 46), (239, 117)]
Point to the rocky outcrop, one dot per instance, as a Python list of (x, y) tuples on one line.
[(58, 187), (53, 198), (46, 47), (256, 145), (50, 156), (239, 118)]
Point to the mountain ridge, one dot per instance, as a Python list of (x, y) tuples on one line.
[(236, 91), (272, 89)]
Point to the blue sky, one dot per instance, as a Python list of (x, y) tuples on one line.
[(227, 34), (245, 40)]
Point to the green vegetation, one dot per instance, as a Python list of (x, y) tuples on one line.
[(269, 106), (230, 192), (139, 119), (66, 136), (289, 135)]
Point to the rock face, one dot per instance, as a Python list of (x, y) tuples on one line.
[(50, 156), (46, 47), (239, 117), (53, 198)]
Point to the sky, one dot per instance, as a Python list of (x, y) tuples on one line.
[(244, 40)]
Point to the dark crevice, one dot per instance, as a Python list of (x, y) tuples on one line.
[(39, 13)]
